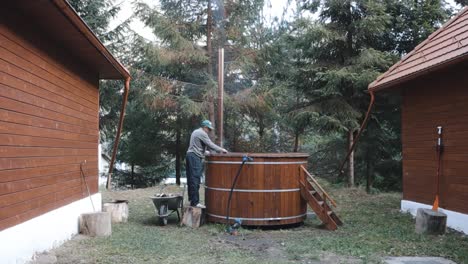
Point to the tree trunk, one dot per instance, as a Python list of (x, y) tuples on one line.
[(177, 151), (133, 176), (349, 35), (296, 142), (370, 172), (261, 133), (211, 116), (297, 133), (234, 142), (351, 159), (209, 22)]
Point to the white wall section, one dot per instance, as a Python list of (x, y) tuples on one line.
[(455, 220), (19, 243)]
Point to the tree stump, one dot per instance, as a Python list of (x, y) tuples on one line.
[(96, 224), (430, 222), (118, 210), (193, 216)]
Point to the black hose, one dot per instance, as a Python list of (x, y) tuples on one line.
[(244, 160)]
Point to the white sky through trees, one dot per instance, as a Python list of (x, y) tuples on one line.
[(272, 9)]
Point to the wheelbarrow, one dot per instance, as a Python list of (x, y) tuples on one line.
[(167, 204)]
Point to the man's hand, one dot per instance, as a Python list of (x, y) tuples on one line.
[(224, 151)]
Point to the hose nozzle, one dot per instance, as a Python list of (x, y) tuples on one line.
[(246, 158)]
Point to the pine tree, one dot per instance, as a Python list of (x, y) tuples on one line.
[(411, 22), (345, 62), (177, 66), (181, 62)]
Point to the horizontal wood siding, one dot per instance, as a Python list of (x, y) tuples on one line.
[(438, 100), (49, 124)]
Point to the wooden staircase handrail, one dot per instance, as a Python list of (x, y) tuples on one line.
[(320, 187)]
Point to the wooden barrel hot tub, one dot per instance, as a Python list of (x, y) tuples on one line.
[(267, 190)]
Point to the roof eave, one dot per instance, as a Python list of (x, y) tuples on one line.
[(375, 87), (78, 22)]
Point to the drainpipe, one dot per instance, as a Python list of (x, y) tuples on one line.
[(363, 126), (119, 130)]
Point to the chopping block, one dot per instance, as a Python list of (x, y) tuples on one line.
[(193, 216), (430, 222)]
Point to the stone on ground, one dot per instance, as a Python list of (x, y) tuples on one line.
[(417, 260), (118, 210), (96, 224)]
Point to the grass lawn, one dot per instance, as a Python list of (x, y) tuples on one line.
[(373, 228)]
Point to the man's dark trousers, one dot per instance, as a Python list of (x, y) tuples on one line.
[(194, 170)]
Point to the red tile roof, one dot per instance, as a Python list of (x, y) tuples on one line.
[(446, 46)]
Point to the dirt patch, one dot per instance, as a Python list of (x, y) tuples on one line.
[(270, 246), (331, 258), (263, 245)]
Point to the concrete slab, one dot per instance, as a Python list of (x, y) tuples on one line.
[(417, 260)]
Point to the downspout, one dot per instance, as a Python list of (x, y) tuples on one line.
[(119, 130), (363, 126)]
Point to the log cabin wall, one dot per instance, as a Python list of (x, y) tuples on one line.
[(439, 99), (49, 123)]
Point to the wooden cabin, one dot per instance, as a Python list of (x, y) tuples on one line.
[(50, 67), (433, 83)]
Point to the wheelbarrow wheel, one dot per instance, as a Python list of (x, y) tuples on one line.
[(162, 214)]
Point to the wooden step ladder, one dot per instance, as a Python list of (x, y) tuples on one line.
[(317, 199)]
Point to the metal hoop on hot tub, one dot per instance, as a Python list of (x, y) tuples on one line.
[(260, 219), (256, 163), (252, 190)]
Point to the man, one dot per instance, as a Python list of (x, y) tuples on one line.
[(199, 143)]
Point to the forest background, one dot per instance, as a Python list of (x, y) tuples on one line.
[(295, 83)]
